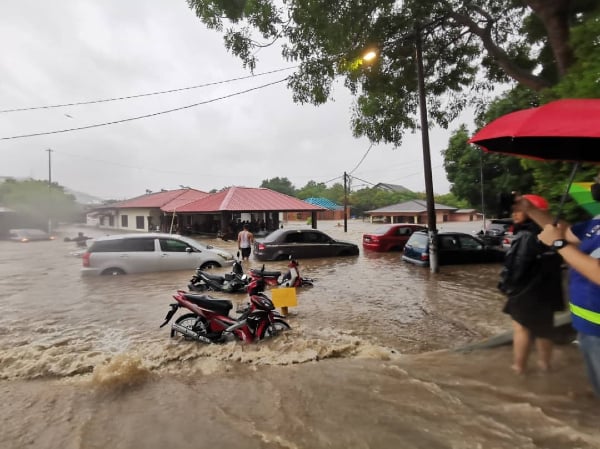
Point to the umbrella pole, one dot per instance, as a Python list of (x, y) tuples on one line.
[(564, 197)]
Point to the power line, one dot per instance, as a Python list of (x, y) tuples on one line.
[(130, 119), (363, 158), (129, 97)]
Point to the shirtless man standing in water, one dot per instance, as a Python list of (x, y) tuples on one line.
[(245, 241)]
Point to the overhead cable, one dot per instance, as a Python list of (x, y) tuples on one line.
[(106, 100), (139, 117)]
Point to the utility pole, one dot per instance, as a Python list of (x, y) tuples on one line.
[(345, 203), (432, 231), (49, 189)]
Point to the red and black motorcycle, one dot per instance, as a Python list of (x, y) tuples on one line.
[(290, 279), (209, 320)]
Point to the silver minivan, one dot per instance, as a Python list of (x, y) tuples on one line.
[(140, 253)]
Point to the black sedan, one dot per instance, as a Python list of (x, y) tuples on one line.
[(301, 244), (453, 248)]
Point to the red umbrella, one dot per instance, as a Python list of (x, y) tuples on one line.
[(563, 130)]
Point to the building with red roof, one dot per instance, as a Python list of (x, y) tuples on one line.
[(193, 211)]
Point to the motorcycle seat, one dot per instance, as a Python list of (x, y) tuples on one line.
[(265, 273), (214, 277), (222, 306)]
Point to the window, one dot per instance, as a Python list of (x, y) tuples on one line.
[(448, 242), (124, 221), (419, 241), (123, 245), (294, 237), (139, 222), (469, 243), (172, 245)]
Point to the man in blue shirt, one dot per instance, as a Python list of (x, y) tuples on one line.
[(579, 245)]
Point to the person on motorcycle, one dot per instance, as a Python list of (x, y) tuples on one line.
[(245, 241)]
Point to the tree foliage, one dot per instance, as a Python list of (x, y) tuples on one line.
[(312, 190), (478, 177), (467, 47), (281, 185), (35, 202)]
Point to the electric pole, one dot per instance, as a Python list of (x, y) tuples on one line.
[(345, 203), (49, 189)]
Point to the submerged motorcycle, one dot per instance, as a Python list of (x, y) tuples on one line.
[(209, 320), (233, 282), (291, 278)]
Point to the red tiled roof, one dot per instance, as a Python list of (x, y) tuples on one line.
[(162, 199), (186, 197), (246, 199)]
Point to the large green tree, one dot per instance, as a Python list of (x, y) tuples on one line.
[(467, 46), (35, 202), (312, 189), (281, 185), (480, 178)]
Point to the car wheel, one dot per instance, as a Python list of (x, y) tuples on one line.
[(113, 272), (209, 265)]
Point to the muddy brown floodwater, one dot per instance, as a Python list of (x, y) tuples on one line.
[(369, 362)]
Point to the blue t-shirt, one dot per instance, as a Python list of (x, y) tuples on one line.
[(583, 292)]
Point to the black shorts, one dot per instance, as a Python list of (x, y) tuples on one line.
[(245, 252)]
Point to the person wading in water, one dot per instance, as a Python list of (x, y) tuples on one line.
[(245, 242)]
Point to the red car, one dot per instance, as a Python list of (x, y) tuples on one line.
[(390, 237)]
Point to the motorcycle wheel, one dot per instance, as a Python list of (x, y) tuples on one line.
[(275, 328), (189, 320)]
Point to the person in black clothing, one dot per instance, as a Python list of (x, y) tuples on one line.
[(80, 240), (532, 281)]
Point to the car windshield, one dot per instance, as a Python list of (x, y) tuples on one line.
[(418, 240)]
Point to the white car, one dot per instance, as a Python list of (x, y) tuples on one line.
[(141, 253)]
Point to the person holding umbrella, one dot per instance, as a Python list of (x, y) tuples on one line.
[(579, 245), (531, 280)]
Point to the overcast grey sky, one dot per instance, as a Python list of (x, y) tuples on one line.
[(80, 50)]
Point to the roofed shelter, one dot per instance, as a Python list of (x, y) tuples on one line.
[(144, 213), (332, 211), (259, 207), (413, 211)]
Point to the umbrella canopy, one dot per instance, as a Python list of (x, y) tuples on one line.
[(580, 192), (563, 130)]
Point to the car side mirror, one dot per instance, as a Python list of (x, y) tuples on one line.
[(189, 250)]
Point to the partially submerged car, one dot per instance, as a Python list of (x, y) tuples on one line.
[(139, 253), (282, 244), (453, 248), (391, 237), (28, 235)]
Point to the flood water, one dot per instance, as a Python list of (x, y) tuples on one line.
[(370, 362)]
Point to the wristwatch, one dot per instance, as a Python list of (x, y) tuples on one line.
[(559, 244)]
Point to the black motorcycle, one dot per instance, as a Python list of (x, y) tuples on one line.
[(234, 282)]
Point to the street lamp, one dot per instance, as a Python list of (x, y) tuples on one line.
[(431, 217)]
